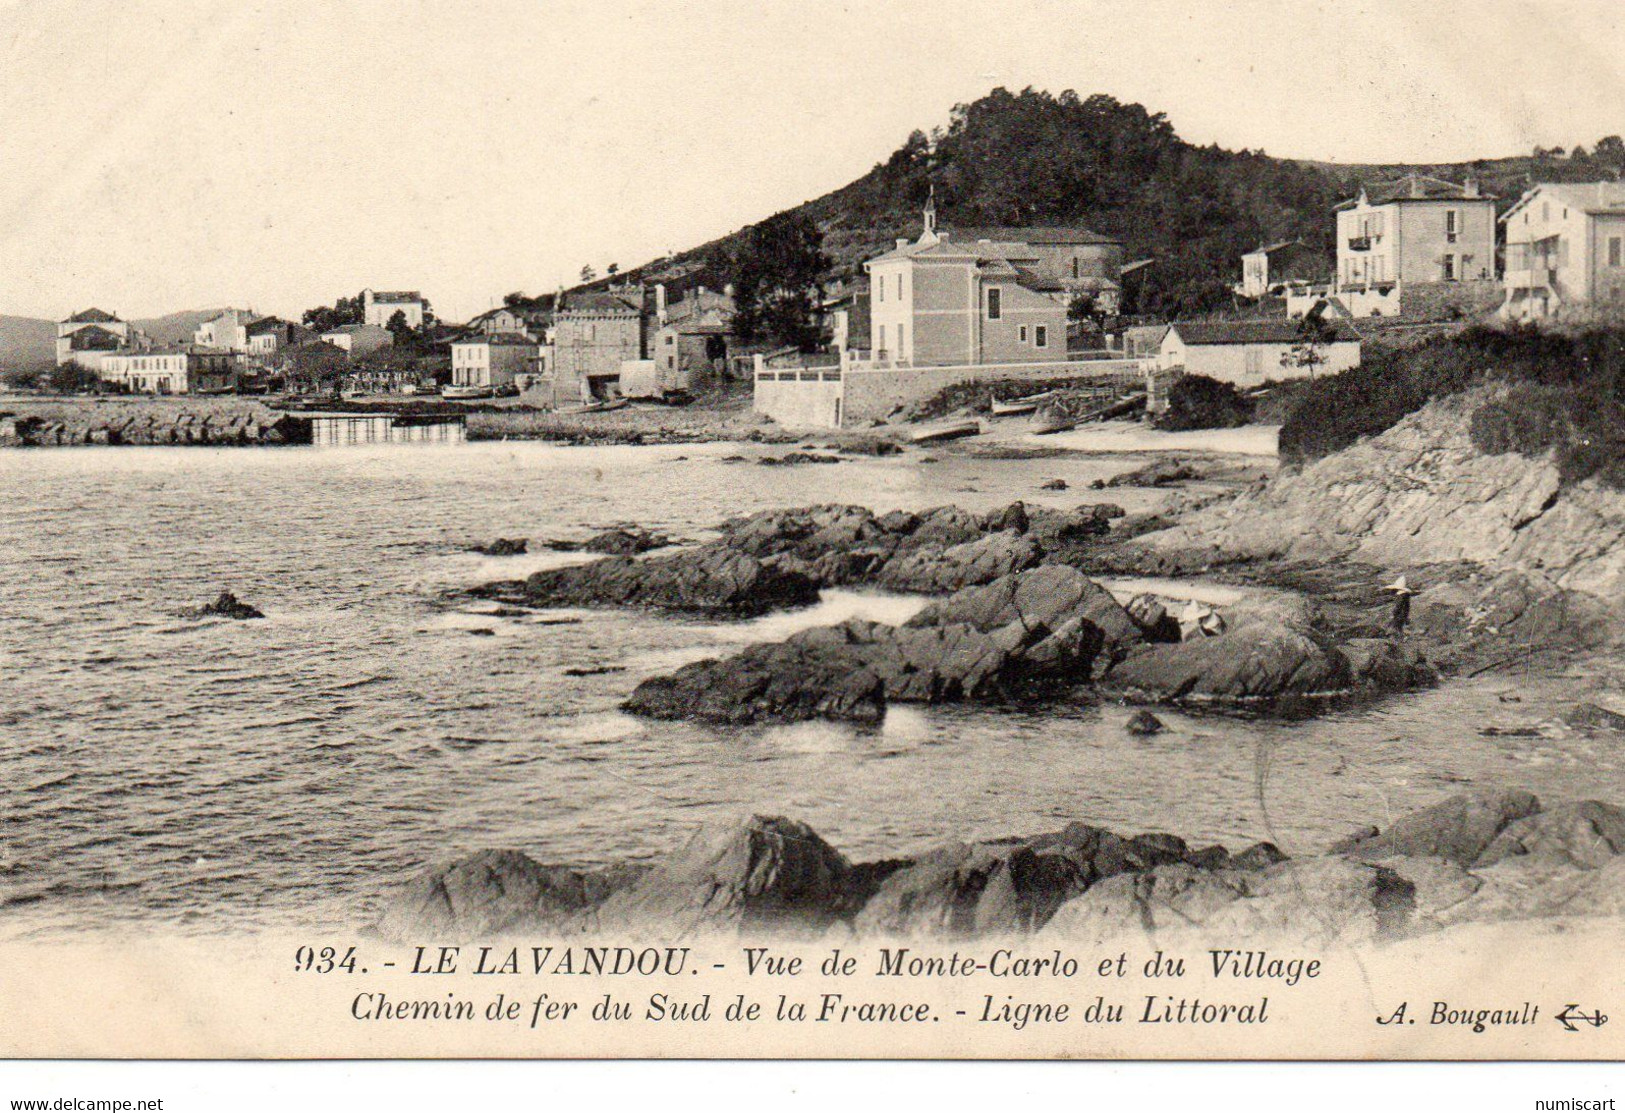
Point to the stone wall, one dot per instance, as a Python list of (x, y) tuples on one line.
[(874, 394), (800, 398), (1443, 301)]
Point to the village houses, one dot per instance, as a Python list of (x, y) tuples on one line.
[(268, 335), (1565, 249), (227, 332), (986, 295), (1274, 268), (178, 369), (1416, 232), (688, 337), (359, 340), (494, 360)]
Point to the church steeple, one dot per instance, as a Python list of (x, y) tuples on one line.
[(931, 212)]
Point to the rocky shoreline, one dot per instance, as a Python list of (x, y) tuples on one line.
[(1020, 615), (1486, 856), (1022, 611)]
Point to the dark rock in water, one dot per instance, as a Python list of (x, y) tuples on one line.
[(1588, 716), (1509, 732), (1159, 473), (1022, 635), (1153, 619), (1458, 830), (1053, 485), (768, 876), (625, 542), (594, 670), (1144, 723), (228, 606), (790, 459), (975, 562), (483, 632), (788, 682), (1052, 598), (492, 893), (504, 546), (709, 579), (1318, 900), (1252, 663)]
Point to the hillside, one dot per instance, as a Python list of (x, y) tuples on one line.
[(27, 344), (176, 328), (1035, 158)]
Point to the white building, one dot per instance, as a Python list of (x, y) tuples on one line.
[(1250, 353), (228, 332), (87, 335), (177, 370), (493, 361), (378, 307), (1565, 249), (359, 340)]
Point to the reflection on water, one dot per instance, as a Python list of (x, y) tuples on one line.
[(215, 775)]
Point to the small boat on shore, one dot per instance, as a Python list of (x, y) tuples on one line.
[(1011, 407), (593, 408), (950, 432), (464, 393), (1044, 424)]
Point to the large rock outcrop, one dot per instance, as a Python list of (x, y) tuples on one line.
[(707, 579), (1422, 493), (1022, 635), (1317, 900), (1256, 663), (494, 893), (769, 875), (1480, 857), (1011, 887)]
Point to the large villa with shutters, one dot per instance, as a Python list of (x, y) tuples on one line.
[(986, 295)]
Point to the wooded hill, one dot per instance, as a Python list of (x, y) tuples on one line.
[(1038, 159)]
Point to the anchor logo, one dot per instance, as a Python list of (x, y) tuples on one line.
[(1571, 1015)]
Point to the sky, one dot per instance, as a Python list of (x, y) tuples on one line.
[(176, 154)]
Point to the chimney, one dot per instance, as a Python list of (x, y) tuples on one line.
[(901, 243), (1416, 186), (1469, 188)]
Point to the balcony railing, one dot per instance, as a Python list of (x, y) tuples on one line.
[(1359, 243)]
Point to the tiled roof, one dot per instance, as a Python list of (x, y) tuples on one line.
[(1590, 197), (1274, 331), (1037, 281), (1417, 187), (94, 337), (596, 301), (499, 339), (1271, 249), (90, 316)]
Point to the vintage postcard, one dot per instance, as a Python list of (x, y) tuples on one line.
[(1061, 530)]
